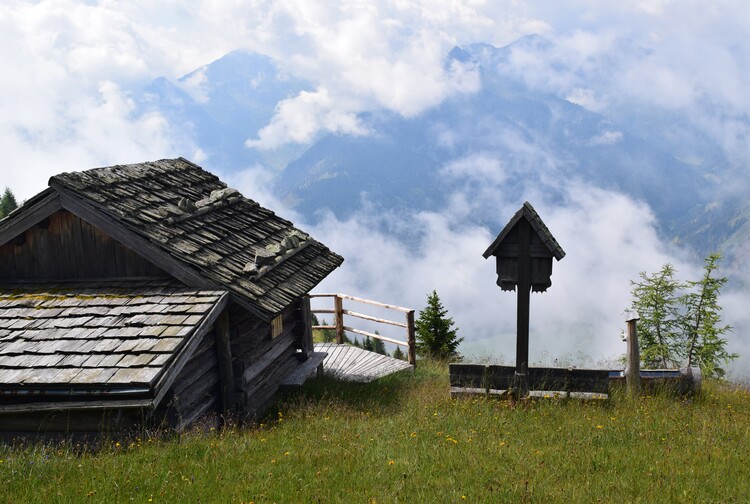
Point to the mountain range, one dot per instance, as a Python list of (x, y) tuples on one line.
[(535, 134)]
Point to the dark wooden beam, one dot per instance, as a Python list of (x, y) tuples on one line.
[(524, 290), (307, 333), (37, 211), (224, 356), (69, 406)]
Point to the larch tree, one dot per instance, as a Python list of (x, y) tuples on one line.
[(705, 344), (655, 300), (680, 323)]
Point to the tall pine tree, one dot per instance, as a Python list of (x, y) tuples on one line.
[(436, 337)]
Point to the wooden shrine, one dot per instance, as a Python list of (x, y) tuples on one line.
[(524, 250)]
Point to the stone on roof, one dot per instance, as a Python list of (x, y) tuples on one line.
[(209, 231)]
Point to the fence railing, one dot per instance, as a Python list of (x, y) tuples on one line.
[(339, 312)]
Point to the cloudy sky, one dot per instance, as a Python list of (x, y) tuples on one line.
[(71, 67)]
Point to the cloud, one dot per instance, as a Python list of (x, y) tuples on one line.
[(606, 138), (90, 130), (480, 166), (301, 118), (368, 56), (587, 99), (195, 85), (64, 102), (608, 237), (57, 55)]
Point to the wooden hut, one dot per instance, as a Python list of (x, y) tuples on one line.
[(148, 294)]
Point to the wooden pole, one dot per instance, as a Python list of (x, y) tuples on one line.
[(224, 357), (633, 368), (339, 316), (307, 333), (522, 315), (411, 338)]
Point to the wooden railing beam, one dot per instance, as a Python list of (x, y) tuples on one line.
[(377, 336), (373, 319), (338, 319)]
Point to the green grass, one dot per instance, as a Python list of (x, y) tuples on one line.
[(403, 439)]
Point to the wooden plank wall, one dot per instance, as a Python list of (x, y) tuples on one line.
[(65, 247), (195, 393), (259, 362)]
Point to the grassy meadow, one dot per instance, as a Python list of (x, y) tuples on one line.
[(402, 439)]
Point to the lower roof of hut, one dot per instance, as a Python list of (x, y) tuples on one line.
[(80, 342)]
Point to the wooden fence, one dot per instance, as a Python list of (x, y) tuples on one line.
[(339, 312)]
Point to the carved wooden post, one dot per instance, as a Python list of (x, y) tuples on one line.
[(633, 368), (339, 316), (412, 356)]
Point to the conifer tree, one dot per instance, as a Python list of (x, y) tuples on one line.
[(399, 354), (327, 335), (378, 346), (436, 337), (680, 323), (704, 341), (7, 203), (367, 344), (656, 302)]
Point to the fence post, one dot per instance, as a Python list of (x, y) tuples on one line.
[(339, 316), (411, 338), (633, 368)]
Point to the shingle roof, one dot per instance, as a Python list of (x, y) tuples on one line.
[(527, 211), (76, 340), (205, 227)]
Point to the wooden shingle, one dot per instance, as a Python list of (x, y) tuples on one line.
[(211, 244), (85, 345)]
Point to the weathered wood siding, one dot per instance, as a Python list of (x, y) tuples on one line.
[(59, 423), (259, 361), (64, 247), (195, 393)]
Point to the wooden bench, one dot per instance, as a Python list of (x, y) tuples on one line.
[(313, 365), (491, 380)]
